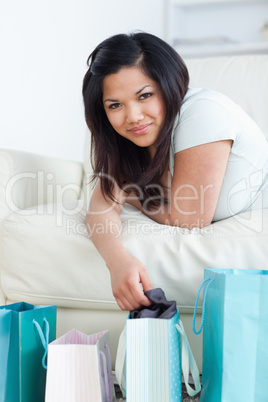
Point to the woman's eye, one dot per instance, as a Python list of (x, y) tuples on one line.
[(146, 96), (114, 105)]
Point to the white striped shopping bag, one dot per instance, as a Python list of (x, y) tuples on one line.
[(79, 368), (157, 353)]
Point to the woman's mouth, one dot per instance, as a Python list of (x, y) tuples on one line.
[(140, 129)]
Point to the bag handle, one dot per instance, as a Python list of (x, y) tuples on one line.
[(107, 367), (44, 338), (120, 362), (207, 282), (188, 363)]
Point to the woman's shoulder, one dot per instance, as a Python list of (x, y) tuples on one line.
[(206, 116), (204, 94), (203, 103)]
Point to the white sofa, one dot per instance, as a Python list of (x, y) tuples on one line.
[(47, 257)]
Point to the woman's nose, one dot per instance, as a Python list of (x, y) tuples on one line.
[(134, 114)]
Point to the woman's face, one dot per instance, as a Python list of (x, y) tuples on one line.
[(134, 106)]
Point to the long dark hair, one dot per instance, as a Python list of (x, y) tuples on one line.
[(112, 155)]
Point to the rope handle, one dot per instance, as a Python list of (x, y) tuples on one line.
[(120, 362), (188, 363), (107, 367), (44, 338), (207, 282)]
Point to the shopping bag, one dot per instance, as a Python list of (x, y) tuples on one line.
[(157, 352), (235, 328), (79, 368), (22, 353)]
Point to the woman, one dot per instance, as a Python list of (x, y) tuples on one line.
[(185, 157)]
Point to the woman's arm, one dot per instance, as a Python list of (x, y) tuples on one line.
[(127, 273), (195, 186)]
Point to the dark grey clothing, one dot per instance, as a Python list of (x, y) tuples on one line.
[(160, 307)]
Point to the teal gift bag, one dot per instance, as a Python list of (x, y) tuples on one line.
[(235, 335), (25, 331)]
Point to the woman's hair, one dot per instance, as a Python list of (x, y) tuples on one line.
[(115, 158)]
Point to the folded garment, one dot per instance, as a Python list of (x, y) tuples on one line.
[(160, 307)]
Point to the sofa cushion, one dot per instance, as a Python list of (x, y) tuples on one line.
[(54, 262), (48, 258)]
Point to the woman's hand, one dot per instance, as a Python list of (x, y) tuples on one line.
[(127, 276)]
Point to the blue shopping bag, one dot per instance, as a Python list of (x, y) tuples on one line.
[(235, 335), (25, 330)]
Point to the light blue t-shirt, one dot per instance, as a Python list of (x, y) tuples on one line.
[(208, 116)]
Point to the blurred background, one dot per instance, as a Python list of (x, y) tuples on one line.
[(45, 45)]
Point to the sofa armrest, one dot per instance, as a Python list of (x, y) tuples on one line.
[(28, 180)]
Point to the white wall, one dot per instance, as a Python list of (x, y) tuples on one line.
[(44, 46)]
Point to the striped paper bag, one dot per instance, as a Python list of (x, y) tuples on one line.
[(158, 352), (79, 368), (153, 346)]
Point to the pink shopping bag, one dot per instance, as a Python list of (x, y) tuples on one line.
[(79, 368)]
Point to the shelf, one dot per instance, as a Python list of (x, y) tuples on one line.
[(191, 51), (219, 27), (190, 3)]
